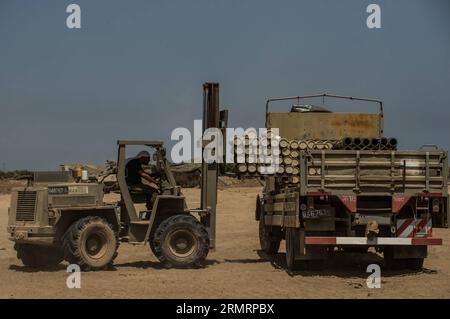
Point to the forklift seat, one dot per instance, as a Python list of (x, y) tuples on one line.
[(138, 195)]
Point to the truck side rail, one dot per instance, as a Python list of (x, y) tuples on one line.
[(375, 173)]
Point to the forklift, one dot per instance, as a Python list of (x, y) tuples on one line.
[(54, 218)]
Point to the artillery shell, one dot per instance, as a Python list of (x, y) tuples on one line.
[(242, 168), (284, 143), (293, 145), (287, 160), (270, 170), (288, 169), (295, 179), (302, 145), (275, 151), (280, 169), (262, 169), (295, 153), (285, 151), (251, 168)]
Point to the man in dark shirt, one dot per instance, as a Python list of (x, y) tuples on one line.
[(138, 180)]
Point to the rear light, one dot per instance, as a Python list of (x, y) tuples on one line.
[(436, 205)]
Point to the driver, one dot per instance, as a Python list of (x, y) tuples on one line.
[(140, 181)]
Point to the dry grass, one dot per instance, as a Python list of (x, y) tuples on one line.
[(6, 185)]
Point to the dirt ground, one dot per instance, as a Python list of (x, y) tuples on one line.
[(235, 270)]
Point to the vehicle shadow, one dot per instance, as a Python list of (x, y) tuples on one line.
[(157, 265), (28, 269), (144, 264), (343, 265), (246, 261)]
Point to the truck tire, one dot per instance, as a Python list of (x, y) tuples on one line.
[(39, 256), (414, 263), (269, 243), (181, 241), (292, 246), (392, 263), (91, 243)]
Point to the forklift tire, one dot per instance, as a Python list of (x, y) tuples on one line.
[(91, 243), (36, 256), (181, 241), (269, 243)]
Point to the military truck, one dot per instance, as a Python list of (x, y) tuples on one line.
[(56, 218), (350, 199)]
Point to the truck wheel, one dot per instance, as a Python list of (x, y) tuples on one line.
[(181, 241), (414, 263), (292, 246), (91, 243), (39, 256), (391, 262), (269, 243), (315, 264)]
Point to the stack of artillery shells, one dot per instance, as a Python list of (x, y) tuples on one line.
[(257, 155), (308, 144), (264, 156)]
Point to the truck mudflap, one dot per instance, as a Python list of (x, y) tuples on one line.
[(377, 241)]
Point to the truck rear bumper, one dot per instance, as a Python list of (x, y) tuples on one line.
[(378, 241)]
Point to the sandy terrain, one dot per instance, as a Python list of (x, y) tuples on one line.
[(235, 269)]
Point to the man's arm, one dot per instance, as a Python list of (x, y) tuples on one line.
[(147, 177)]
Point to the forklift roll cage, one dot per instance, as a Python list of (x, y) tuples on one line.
[(161, 163)]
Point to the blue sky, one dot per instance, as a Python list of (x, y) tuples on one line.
[(135, 69)]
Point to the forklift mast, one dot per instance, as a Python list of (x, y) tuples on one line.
[(212, 118)]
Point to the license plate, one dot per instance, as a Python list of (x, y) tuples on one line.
[(316, 213), (58, 190)]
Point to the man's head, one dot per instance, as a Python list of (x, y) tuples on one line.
[(143, 157)]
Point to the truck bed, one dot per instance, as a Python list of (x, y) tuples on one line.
[(374, 172)]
